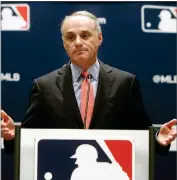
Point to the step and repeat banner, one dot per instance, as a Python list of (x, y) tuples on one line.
[(139, 37)]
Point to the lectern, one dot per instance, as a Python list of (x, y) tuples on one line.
[(65, 154)]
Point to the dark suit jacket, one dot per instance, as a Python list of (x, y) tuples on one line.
[(118, 103)]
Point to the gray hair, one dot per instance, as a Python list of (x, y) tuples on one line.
[(83, 13)]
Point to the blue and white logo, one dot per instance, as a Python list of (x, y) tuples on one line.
[(75, 159), (159, 19)]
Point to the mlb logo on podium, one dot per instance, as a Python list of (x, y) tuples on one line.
[(15, 17), (159, 19), (84, 159)]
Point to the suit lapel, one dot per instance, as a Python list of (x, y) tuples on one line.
[(103, 89), (64, 81)]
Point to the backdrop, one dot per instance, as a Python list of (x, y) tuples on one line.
[(139, 37)]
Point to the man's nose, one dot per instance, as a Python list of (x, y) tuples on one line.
[(78, 41)]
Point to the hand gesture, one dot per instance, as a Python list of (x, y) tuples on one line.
[(7, 126), (167, 133)]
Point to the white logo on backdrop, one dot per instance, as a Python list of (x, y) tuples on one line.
[(11, 77), (15, 17), (165, 79), (159, 19), (101, 20)]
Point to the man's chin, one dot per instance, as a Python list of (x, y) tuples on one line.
[(82, 62), (82, 58)]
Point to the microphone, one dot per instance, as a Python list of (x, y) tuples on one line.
[(87, 100)]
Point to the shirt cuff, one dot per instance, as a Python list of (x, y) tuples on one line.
[(156, 135)]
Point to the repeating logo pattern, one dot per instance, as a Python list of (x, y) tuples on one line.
[(159, 19), (15, 17)]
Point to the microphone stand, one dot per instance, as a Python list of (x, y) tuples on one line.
[(87, 101)]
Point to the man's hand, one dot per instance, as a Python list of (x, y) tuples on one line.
[(167, 133), (7, 126)]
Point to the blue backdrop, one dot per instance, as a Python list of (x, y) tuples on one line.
[(149, 53)]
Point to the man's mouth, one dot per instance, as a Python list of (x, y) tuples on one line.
[(79, 51)]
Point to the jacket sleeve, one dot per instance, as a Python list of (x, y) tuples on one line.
[(139, 115), (33, 115)]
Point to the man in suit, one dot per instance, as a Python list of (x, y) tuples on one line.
[(112, 96)]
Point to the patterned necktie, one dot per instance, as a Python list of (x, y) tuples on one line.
[(87, 100)]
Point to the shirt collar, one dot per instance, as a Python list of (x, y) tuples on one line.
[(93, 70)]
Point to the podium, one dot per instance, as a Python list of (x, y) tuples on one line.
[(65, 154)]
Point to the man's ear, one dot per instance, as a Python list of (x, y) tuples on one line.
[(63, 42), (100, 38)]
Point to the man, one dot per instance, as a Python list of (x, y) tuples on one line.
[(86, 93)]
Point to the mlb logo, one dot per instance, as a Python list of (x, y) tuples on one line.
[(159, 19), (79, 159), (15, 17)]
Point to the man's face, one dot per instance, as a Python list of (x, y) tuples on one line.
[(81, 40)]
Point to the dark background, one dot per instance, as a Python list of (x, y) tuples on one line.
[(38, 51)]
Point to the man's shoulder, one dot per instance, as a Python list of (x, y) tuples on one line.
[(46, 78), (123, 73), (51, 76), (118, 72)]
